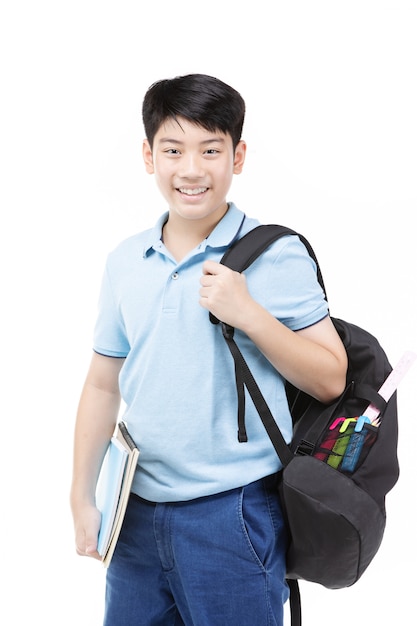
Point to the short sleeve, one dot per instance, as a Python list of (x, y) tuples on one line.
[(295, 296), (109, 333)]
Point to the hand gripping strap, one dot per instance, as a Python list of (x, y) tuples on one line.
[(257, 241)]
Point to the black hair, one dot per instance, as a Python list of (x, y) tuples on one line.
[(203, 100)]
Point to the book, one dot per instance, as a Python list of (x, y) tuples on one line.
[(113, 489)]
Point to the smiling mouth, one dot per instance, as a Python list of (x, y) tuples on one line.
[(192, 192)]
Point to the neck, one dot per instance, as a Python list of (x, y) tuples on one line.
[(181, 236), (180, 243)]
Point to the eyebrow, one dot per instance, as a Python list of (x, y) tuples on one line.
[(202, 143)]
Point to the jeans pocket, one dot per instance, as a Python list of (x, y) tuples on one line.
[(262, 523)]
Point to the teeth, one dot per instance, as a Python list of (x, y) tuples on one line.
[(193, 192)]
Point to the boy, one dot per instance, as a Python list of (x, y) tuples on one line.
[(203, 542)]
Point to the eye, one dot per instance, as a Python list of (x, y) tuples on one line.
[(172, 151), (211, 151)]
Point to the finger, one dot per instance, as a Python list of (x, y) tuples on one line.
[(206, 280), (92, 553), (211, 267), (86, 541), (91, 541)]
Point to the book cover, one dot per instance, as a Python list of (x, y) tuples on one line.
[(113, 489)]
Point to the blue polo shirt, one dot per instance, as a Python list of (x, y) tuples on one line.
[(177, 381)]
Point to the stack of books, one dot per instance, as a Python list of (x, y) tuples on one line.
[(113, 489)]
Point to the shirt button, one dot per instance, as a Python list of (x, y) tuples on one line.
[(175, 276)]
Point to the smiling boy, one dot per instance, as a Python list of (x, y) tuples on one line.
[(203, 542)]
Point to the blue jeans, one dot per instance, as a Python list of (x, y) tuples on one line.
[(213, 561)]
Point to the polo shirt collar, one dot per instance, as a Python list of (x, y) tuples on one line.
[(226, 231), (153, 240)]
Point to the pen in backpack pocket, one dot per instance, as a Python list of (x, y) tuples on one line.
[(363, 434), (326, 445), (339, 448), (323, 450)]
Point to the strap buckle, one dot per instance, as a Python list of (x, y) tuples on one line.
[(304, 448)]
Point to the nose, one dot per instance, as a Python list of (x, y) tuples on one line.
[(191, 166)]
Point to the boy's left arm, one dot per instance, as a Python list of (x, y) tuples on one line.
[(313, 359)]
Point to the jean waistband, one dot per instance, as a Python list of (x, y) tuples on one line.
[(270, 482)]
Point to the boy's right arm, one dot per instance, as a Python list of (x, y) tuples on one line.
[(96, 420)]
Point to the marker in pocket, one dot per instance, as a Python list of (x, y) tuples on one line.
[(339, 448), (325, 447), (358, 447)]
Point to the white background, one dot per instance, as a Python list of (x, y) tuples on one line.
[(331, 129)]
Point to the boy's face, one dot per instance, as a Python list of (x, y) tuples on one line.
[(193, 168)]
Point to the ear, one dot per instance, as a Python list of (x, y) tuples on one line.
[(240, 153), (147, 156)]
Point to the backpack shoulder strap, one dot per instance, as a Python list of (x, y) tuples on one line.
[(239, 257), (245, 250)]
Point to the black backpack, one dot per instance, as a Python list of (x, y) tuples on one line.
[(334, 503)]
